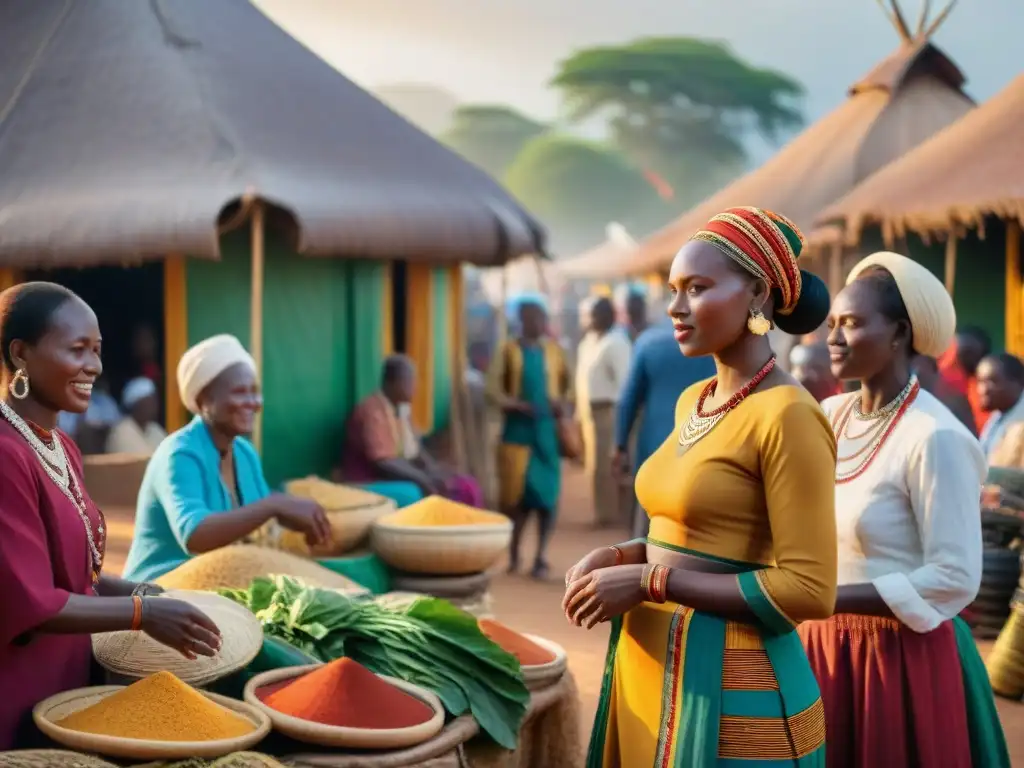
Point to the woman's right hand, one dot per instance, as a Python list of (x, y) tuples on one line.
[(302, 515), (519, 406), (181, 626), (602, 557)]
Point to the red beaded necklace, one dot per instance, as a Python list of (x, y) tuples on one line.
[(736, 399), (874, 445), (700, 423)]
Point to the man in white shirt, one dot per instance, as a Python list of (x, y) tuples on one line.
[(1000, 382), (602, 365)]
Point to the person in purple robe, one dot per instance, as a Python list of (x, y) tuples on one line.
[(52, 535)]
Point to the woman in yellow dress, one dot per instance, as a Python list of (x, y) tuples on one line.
[(704, 667)]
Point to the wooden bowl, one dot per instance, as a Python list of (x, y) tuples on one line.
[(538, 676), (49, 712), (338, 736)]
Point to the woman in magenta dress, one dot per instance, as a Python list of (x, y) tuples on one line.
[(52, 535)]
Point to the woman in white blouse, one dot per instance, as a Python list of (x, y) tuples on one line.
[(902, 683)]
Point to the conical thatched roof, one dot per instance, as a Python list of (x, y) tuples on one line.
[(909, 96), (972, 169), (129, 128)]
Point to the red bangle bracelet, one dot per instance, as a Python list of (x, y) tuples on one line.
[(654, 583), (136, 613)]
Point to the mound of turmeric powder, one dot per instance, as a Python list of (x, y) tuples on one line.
[(159, 708), (438, 511)]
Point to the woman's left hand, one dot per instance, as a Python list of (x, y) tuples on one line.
[(604, 594)]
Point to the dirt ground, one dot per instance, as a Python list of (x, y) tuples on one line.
[(536, 608)]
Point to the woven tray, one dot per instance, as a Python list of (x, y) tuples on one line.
[(54, 709), (137, 655), (336, 736), (50, 758)]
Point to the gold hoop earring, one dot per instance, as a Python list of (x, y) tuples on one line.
[(20, 378), (757, 323)]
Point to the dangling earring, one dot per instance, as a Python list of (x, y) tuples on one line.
[(20, 380), (758, 324)]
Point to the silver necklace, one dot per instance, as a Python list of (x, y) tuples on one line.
[(57, 467)]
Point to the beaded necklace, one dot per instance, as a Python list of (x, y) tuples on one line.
[(700, 423), (57, 467), (883, 422)]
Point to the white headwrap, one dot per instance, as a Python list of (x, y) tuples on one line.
[(207, 360), (931, 311), (136, 390)]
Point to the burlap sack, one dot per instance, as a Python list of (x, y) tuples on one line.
[(550, 736)]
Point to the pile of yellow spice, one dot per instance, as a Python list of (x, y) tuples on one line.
[(437, 511), (159, 708)]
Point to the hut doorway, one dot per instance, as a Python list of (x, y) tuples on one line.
[(125, 299)]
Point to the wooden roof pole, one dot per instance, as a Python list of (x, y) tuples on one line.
[(1014, 290), (256, 241), (951, 262)]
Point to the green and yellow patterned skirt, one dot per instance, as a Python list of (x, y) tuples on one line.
[(684, 689)]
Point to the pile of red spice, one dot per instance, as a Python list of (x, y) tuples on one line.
[(523, 648), (345, 693)]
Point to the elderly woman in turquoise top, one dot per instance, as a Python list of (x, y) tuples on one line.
[(204, 487)]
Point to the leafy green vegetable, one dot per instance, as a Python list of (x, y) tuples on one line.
[(426, 641)]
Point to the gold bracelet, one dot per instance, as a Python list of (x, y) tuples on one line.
[(619, 556)]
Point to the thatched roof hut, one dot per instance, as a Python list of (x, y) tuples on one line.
[(910, 95), (128, 130), (969, 171), (964, 184)]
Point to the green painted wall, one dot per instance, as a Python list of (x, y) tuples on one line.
[(979, 291), (442, 307), (322, 344)]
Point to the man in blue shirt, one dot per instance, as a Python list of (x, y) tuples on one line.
[(658, 374)]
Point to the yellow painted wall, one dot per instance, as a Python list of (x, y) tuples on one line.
[(419, 337), (175, 337), (8, 278)]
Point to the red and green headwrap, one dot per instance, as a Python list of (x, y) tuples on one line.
[(764, 243)]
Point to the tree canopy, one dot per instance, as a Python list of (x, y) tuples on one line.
[(681, 106), (578, 186), (490, 135)]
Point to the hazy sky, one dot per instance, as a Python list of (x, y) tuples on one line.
[(506, 50)]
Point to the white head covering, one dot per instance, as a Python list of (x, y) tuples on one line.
[(135, 390), (931, 311), (207, 360)]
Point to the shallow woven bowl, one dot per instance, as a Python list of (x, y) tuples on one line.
[(443, 550), (542, 675), (349, 527), (336, 736), (54, 709), (137, 655)]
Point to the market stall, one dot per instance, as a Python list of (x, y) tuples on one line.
[(326, 667)]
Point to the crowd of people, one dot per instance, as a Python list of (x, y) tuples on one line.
[(804, 539)]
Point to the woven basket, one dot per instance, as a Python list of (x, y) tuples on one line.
[(336, 736), (538, 676), (234, 760), (236, 566), (350, 511), (137, 655), (54, 709), (50, 758), (446, 550)]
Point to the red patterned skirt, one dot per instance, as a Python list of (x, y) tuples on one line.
[(892, 697)]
